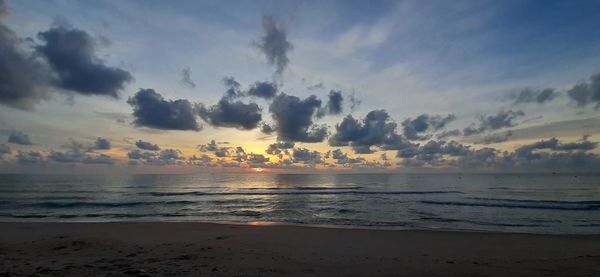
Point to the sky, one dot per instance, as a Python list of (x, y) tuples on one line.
[(299, 86)]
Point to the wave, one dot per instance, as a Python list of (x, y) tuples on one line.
[(305, 188), (53, 205), (483, 223), (524, 204), (292, 193)]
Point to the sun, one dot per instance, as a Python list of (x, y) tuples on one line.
[(258, 169)]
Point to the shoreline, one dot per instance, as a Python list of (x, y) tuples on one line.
[(318, 226), (192, 248)]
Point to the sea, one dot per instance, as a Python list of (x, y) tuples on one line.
[(527, 203)]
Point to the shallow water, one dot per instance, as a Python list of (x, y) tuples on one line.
[(530, 203)]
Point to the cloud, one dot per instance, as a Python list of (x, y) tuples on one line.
[(102, 144), (342, 158), (279, 148), (334, 104), (18, 137), (527, 151), (542, 155), (256, 159), (165, 157), (4, 149), (186, 78), (265, 90), (293, 118), (72, 55), (80, 153), (144, 145), (22, 78), (449, 133), (30, 158), (586, 92), (266, 129), (233, 114), (4, 12), (274, 44), (533, 96), (494, 122), (376, 129), (305, 156), (212, 146), (152, 111), (423, 123), (495, 138)]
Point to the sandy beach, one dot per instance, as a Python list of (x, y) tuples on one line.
[(204, 249)]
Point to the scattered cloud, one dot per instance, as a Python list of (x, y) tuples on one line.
[(266, 90), (186, 78), (423, 123), (151, 110), (586, 92), (72, 54), (18, 137), (144, 145), (533, 96), (274, 44), (293, 118), (501, 120), (233, 114)]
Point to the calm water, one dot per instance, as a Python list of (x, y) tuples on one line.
[(520, 203)]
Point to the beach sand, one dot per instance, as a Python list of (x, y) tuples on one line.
[(204, 249)]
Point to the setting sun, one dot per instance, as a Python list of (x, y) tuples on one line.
[(258, 169)]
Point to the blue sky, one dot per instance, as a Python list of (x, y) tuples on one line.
[(464, 58)]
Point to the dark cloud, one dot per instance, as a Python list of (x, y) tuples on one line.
[(233, 87), (265, 90), (165, 157), (334, 104), (213, 147), (18, 137), (316, 86), (376, 129), (30, 158), (203, 160), (586, 92), (229, 113), (3, 10), (501, 120), (266, 129), (102, 144), (495, 138), (533, 96), (186, 78), (4, 149), (343, 159), (80, 153), (305, 156), (423, 123), (137, 155), (256, 159), (354, 102), (527, 151), (72, 54), (450, 133), (144, 145), (151, 110), (293, 118), (278, 147), (542, 155), (274, 44), (22, 77)]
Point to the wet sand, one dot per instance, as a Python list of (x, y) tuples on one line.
[(204, 249)]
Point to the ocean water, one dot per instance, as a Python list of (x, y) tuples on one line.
[(545, 203)]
